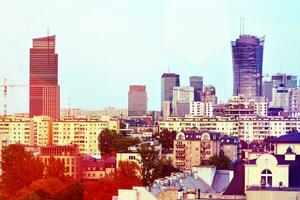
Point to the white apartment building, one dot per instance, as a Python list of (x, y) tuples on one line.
[(198, 108)]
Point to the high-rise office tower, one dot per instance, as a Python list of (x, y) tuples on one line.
[(137, 100), (44, 91), (197, 83), (168, 82), (247, 57)]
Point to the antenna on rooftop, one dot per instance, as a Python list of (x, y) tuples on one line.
[(243, 26)]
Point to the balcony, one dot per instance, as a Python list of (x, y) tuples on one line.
[(180, 145)]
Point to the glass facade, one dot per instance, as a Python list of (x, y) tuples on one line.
[(197, 83), (247, 57), (44, 94), (168, 82)]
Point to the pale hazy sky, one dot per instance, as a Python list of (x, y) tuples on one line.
[(106, 45)]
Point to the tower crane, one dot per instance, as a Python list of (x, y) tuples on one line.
[(5, 86)]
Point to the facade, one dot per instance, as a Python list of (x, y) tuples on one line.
[(209, 95), (290, 81), (281, 97), (44, 94), (68, 154), (197, 83), (226, 125), (294, 103), (168, 82), (182, 98), (230, 147), (267, 90), (17, 130), (246, 128), (247, 57), (137, 100), (198, 108), (82, 132), (110, 111), (94, 169), (193, 148)]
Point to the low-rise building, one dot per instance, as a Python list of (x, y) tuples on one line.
[(68, 154), (94, 168)]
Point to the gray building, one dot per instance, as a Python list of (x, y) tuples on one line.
[(168, 82), (197, 83), (267, 90), (137, 100), (289, 81), (247, 57)]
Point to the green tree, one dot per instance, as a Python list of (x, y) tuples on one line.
[(151, 164), (221, 161), (166, 138), (107, 140), (20, 168), (38, 195), (127, 175), (55, 169), (110, 141)]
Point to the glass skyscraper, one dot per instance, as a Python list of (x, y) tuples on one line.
[(168, 82), (197, 83), (247, 57), (44, 94)]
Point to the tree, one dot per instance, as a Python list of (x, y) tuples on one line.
[(38, 195), (106, 141), (103, 189), (221, 161), (72, 192), (55, 169), (151, 164), (110, 141), (167, 168), (166, 138), (20, 168), (127, 175)]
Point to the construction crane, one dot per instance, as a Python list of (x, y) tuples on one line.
[(5, 86)]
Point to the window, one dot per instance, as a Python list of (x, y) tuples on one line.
[(266, 177)]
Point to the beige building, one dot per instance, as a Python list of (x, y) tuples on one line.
[(226, 125), (193, 148), (17, 130), (42, 131), (68, 154), (246, 128), (81, 131)]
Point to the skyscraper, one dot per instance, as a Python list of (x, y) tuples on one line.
[(197, 83), (209, 95), (44, 91), (137, 100), (247, 57), (182, 98), (168, 82)]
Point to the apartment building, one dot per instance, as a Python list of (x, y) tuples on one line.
[(81, 131), (17, 130), (226, 125), (193, 148), (259, 128)]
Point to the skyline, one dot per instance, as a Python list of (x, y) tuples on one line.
[(147, 46)]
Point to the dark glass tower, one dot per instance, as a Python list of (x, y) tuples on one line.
[(168, 82), (44, 94), (247, 57), (197, 83)]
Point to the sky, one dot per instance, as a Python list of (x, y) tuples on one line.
[(105, 46)]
